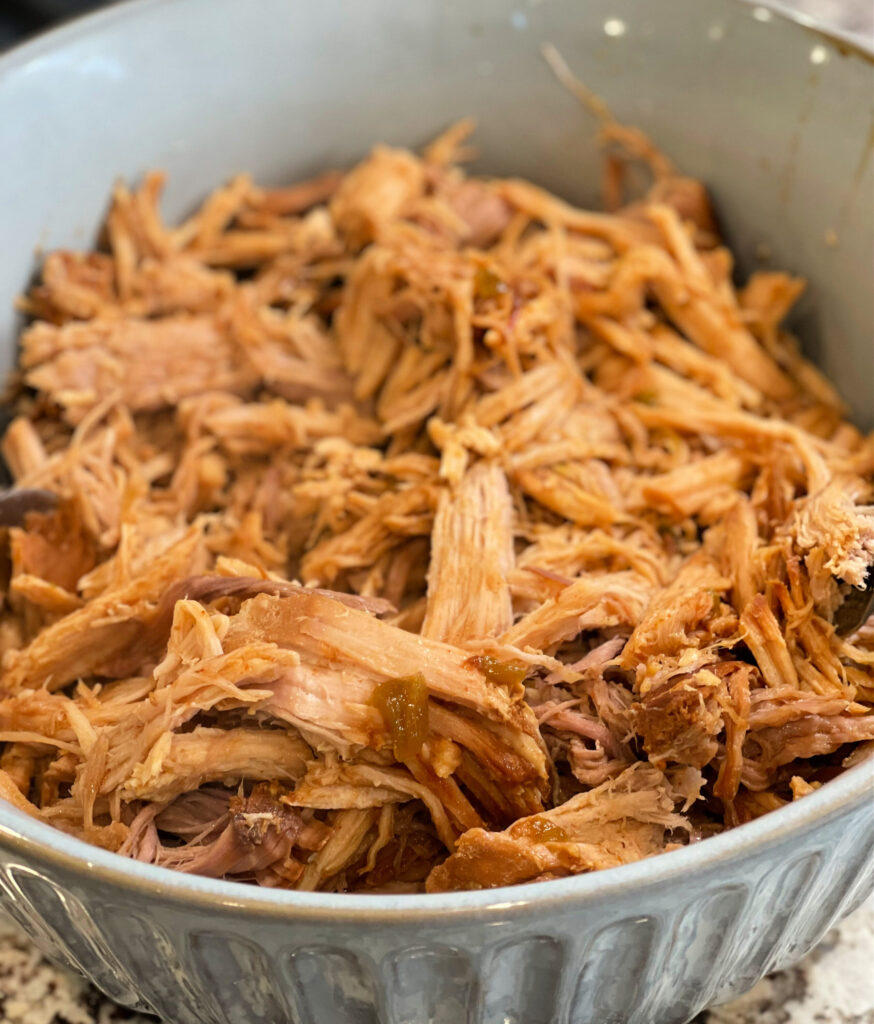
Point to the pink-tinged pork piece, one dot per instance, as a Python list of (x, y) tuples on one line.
[(330, 695), (832, 521), (484, 212), (147, 364), (264, 840), (592, 602), (188, 760)]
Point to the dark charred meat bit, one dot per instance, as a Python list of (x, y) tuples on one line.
[(679, 720)]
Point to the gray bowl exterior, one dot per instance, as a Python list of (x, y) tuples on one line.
[(776, 118)]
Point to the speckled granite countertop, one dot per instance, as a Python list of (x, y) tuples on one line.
[(834, 985)]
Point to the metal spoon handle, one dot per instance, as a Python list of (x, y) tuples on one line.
[(16, 503), (857, 608)]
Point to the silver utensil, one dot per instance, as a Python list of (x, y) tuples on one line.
[(857, 608), (17, 502)]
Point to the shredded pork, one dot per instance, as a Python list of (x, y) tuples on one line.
[(421, 531)]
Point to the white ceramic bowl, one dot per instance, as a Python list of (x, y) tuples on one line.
[(775, 116)]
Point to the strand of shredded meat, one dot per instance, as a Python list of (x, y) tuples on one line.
[(422, 531)]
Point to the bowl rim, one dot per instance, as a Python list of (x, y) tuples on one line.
[(36, 842)]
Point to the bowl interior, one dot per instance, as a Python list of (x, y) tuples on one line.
[(773, 116)]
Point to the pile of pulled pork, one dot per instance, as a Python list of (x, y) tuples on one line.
[(421, 531)]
